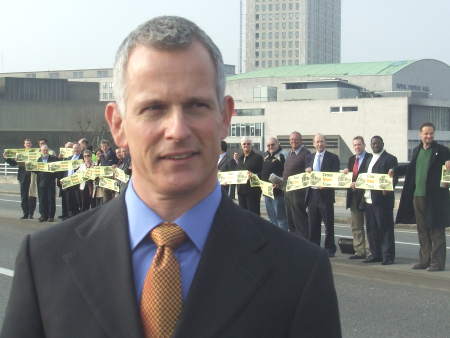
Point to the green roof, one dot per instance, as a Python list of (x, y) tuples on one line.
[(327, 70)]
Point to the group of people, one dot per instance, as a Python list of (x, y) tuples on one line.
[(74, 199), (424, 200)]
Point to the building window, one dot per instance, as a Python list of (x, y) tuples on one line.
[(257, 17), (102, 73), (256, 44), (257, 36), (335, 109), (77, 75), (256, 63), (256, 54), (250, 112), (257, 26), (351, 108)]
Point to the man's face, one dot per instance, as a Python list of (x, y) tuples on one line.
[(41, 143), (319, 143), (272, 146), (104, 147), (44, 150), (295, 141), (377, 145), (358, 146), (27, 144), (246, 147), (173, 125), (427, 135), (119, 153), (76, 149)]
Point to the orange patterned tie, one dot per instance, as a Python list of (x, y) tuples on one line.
[(162, 300)]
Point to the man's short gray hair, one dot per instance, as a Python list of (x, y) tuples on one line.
[(164, 32)]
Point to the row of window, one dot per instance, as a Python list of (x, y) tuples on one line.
[(343, 109), (276, 35), (75, 75), (276, 63), (284, 53), (246, 129), (284, 25), (277, 16), (107, 96), (249, 112), (277, 44), (277, 7)]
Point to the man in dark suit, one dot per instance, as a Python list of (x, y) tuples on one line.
[(72, 194), (296, 163), (99, 274), (320, 201), (425, 201), (358, 164), (27, 203), (108, 158), (46, 184), (226, 163), (379, 208), (249, 198)]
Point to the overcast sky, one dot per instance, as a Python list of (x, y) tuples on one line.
[(70, 34)]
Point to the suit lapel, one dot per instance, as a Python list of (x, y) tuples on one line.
[(229, 274), (101, 269)]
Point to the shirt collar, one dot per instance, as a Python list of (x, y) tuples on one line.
[(195, 222), (296, 151), (361, 156)]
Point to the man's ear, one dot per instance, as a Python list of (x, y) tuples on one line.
[(116, 124), (228, 110)]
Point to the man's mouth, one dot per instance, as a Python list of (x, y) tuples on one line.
[(178, 157)]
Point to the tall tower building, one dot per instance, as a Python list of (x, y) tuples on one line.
[(291, 32)]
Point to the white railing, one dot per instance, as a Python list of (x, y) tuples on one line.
[(6, 169)]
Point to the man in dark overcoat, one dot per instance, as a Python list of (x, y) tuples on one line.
[(425, 201)]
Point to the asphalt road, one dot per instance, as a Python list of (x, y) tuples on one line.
[(375, 300)]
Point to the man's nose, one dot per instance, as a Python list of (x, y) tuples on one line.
[(177, 125)]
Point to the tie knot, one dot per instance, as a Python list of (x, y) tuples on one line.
[(168, 234)]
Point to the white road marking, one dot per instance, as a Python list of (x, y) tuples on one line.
[(6, 272), (37, 203), (396, 242), (400, 231)]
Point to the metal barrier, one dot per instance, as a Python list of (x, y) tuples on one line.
[(6, 169)]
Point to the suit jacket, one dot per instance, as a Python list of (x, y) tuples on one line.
[(382, 166), (437, 197), (22, 174), (357, 193), (253, 280), (45, 179), (227, 164), (330, 163), (253, 163)]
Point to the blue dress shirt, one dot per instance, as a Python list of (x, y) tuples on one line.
[(196, 223), (360, 158)]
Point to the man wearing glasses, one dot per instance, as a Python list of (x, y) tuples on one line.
[(272, 171)]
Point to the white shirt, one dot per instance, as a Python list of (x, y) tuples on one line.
[(368, 193), (221, 156), (74, 157)]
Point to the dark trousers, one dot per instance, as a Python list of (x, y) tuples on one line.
[(47, 203), (73, 200), (432, 240), (87, 202), (296, 212), (380, 231), (321, 211), (251, 200), (27, 203), (64, 207)]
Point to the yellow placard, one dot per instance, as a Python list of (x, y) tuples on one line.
[(66, 152), (266, 188), (374, 182), (120, 175), (319, 179), (106, 171), (42, 166), (445, 178), (108, 183), (299, 181), (27, 156), (254, 180), (31, 166), (232, 177)]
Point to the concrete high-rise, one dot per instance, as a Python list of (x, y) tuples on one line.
[(291, 32)]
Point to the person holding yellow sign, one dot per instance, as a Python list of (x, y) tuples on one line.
[(379, 208), (320, 201), (425, 201), (28, 203), (46, 183)]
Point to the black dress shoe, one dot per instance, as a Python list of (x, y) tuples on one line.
[(42, 219), (387, 262), (372, 259), (419, 266), (30, 217), (432, 268), (24, 217), (356, 257), (51, 219)]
